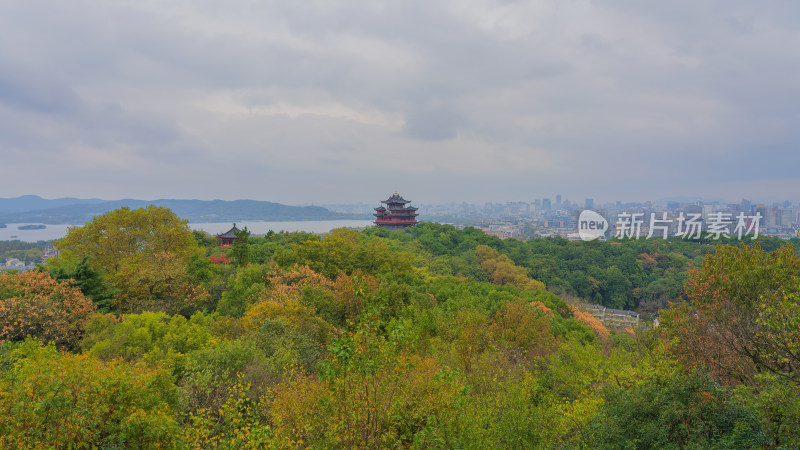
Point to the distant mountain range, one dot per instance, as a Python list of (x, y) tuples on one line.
[(32, 208), (34, 202)]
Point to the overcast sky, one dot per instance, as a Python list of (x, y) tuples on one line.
[(344, 101)]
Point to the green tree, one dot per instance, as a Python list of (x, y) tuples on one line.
[(241, 247), (144, 253), (114, 236), (152, 337), (677, 411), (89, 280)]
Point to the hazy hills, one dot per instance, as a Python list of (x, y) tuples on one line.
[(34, 202), (32, 208)]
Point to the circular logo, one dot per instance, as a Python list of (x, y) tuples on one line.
[(591, 225)]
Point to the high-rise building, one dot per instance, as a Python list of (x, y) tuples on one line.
[(789, 218), (693, 209), (558, 201), (546, 204), (762, 210), (775, 216), (589, 204), (747, 207)]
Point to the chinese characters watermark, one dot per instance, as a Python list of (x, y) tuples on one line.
[(592, 225), (689, 226)]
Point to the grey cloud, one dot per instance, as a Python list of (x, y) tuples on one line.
[(33, 92), (433, 123), (659, 91)]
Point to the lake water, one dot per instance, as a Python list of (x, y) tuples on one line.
[(11, 232)]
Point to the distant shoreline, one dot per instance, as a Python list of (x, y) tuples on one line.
[(257, 227)]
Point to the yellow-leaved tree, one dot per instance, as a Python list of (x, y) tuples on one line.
[(502, 270), (144, 253)]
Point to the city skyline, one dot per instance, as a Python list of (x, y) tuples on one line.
[(532, 199)]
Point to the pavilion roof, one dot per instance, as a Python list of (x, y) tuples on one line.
[(396, 199), (230, 234)]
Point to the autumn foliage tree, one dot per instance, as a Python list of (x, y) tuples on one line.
[(157, 282), (281, 316), (351, 292), (219, 259), (523, 329), (502, 270), (600, 330), (54, 400), (34, 304), (742, 316)]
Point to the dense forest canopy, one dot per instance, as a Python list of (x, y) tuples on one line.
[(144, 333)]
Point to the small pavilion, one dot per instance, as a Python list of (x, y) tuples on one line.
[(227, 238)]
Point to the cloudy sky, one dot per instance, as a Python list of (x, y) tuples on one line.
[(345, 101)]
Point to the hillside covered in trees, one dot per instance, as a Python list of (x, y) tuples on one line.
[(145, 334)]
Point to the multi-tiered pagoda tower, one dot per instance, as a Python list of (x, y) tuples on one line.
[(395, 215)]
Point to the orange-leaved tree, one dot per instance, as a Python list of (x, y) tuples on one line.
[(600, 330), (742, 314), (34, 304)]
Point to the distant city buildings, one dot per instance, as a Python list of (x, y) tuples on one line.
[(542, 217), (504, 231), (50, 252), (16, 264)]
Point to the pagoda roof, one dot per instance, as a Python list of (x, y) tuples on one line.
[(395, 199), (230, 233)]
